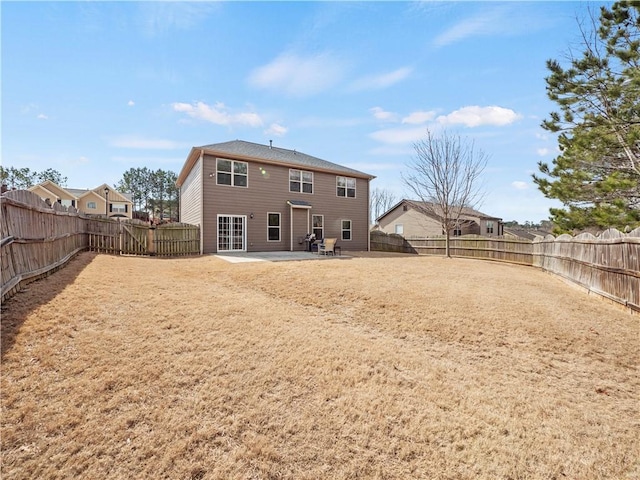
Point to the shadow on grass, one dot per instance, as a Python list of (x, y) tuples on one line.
[(16, 309)]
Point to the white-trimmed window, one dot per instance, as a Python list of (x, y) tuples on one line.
[(457, 231), (346, 229), (318, 226), (273, 227), (346, 187), (230, 172), (489, 226), (399, 228), (118, 208), (300, 181), (91, 205)]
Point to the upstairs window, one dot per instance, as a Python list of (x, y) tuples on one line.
[(91, 205), (346, 187), (300, 181), (489, 227), (230, 172), (118, 208)]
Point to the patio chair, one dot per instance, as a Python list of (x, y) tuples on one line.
[(327, 246)]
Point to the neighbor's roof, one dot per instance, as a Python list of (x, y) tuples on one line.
[(79, 192), (466, 211), (239, 149)]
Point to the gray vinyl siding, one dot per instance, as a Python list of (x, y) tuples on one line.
[(268, 191), (191, 196)]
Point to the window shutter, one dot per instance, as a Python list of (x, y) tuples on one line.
[(111, 207), (126, 208)]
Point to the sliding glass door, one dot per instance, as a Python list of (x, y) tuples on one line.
[(232, 233)]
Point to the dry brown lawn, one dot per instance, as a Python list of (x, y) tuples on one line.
[(402, 367)]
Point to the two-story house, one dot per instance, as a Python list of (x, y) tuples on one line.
[(102, 200), (407, 219), (248, 197)]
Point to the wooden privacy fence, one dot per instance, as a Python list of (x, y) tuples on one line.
[(391, 242), (474, 246), (608, 264), (37, 239)]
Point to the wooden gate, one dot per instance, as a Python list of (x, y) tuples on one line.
[(135, 237)]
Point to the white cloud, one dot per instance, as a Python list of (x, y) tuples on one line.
[(381, 114), (159, 17), (42, 116), (398, 135), (519, 185), (298, 76), (543, 152), (391, 151), (478, 25), (416, 124), (419, 117), (383, 80), (218, 114), (131, 103), (276, 129), (475, 116), (502, 20), (133, 141)]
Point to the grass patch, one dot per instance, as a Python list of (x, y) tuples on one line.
[(408, 367)]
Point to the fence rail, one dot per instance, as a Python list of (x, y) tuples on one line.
[(608, 265), (38, 239)]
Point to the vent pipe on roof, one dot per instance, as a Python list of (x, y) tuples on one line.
[(270, 143)]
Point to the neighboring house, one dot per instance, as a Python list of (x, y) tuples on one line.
[(407, 220), (102, 200), (251, 197)]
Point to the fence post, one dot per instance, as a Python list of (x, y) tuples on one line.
[(151, 241)]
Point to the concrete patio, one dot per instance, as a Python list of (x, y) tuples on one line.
[(243, 257)]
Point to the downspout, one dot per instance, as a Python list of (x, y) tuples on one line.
[(369, 215), (291, 228), (201, 162)]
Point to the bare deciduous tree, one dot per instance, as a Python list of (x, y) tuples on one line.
[(445, 175), (380, 201)]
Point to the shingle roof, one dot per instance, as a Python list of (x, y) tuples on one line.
[(78, 192), (276, 154), (465, 212)]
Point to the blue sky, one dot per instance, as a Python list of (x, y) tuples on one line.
[(92, 89)]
